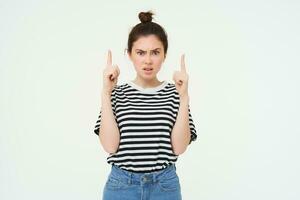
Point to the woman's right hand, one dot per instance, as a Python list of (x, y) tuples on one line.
[(110, 75)]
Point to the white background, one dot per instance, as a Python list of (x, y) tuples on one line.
[(243, 62)]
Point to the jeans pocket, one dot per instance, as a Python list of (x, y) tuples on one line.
[(114, 183), (169, 184)]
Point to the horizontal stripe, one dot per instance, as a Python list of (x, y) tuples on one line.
[(142, 151), (153, 145)]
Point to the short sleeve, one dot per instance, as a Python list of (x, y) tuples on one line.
[(97, 126), (192, 127), (113, 103)]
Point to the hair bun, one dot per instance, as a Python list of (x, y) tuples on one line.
[(145, 16)]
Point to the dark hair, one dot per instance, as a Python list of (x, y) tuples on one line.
[(147, 27)]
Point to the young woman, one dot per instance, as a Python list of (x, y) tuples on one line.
[(145, 123)]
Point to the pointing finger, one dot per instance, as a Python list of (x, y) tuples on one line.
[(182, 63), (109, 59)]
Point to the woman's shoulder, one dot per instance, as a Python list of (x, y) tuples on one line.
[(119, 88), (120, 85), (170, 86)]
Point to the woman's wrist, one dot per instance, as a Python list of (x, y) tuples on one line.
[(184, 99), (106, 93)]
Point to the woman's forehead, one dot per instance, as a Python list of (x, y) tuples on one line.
[(147, 43)]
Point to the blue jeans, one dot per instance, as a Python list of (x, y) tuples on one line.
[(159, 185)]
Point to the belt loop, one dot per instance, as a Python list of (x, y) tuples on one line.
[(154, 177), (129, 178)]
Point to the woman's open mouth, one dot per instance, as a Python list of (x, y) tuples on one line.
[(148, 70)]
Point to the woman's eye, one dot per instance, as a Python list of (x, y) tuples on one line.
[(141, 53)]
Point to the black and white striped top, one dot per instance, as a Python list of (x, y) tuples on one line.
[(145, 118)]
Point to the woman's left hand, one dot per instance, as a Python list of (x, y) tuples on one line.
[(181, 79)]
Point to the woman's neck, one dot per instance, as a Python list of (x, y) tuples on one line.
[(147, 83)]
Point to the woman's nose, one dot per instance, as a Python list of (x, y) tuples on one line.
[(148, 59)]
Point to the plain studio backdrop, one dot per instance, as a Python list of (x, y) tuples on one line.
[(242, 58)]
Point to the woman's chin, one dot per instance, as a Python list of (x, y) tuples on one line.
[(148, 76)]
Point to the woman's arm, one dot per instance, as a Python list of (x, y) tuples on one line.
[(109, 131), (180, 136)]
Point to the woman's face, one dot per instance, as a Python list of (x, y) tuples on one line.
[(147, 55)]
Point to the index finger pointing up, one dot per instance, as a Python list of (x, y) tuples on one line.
[(109, 59), (182, 63)]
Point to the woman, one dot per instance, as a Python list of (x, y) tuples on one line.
[(145, 123)]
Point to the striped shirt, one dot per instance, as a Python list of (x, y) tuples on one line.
[(145, 118)]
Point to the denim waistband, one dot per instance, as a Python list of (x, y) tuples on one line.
[(138, 178)]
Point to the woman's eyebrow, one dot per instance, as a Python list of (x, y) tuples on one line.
[(151, 50)]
